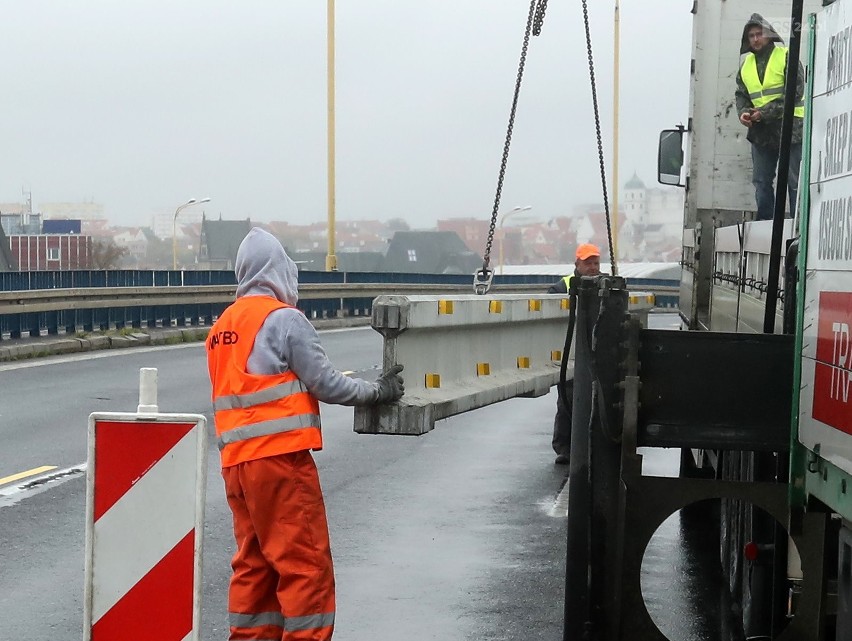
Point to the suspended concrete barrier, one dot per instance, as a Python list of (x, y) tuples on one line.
[(467, 351)]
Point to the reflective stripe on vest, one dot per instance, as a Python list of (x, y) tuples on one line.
[(256, 416), (267, 428), (772, 87), (275, 393)]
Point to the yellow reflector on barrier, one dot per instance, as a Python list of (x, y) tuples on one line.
[(556, 355), (433, 380), (445, 307), (495, 307), (535, 305), (483, 369), (647, 298), (565, 303), (523, 362)]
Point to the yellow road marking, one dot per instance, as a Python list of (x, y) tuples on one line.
[(23, 475)]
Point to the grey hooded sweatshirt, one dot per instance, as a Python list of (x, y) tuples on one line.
[(287, 341)]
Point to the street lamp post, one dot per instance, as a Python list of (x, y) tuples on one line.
[(615, 105), (188, 203), (331, 258), (515, 210)]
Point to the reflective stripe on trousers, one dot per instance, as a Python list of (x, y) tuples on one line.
[(291, 624)]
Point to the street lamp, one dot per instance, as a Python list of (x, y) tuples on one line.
[(515, 210), (188, 203), (331, 258)]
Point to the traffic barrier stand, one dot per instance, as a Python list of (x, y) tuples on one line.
[(146, 479)]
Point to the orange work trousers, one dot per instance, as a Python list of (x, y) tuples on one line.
[(282, 588)]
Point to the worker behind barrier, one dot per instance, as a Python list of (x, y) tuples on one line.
[(760, 105), (587, 263), (268, 372)]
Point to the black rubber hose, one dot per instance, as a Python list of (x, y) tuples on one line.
[(572, 316)]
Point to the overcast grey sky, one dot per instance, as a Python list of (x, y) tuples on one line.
[(142, 105)]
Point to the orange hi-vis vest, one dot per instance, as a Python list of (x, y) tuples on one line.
[(256, 416)]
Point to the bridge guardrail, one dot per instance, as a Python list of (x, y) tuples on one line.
[(57, 310)]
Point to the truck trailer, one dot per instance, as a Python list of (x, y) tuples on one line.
[(791, 575)]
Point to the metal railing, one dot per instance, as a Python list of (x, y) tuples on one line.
[(38, 303)]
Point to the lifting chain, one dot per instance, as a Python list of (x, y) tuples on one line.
[(535, 19), (598, 132), (482, 278)]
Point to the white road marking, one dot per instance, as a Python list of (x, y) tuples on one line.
[(360, 328), (15, 493), (85, 356), (128, 351)]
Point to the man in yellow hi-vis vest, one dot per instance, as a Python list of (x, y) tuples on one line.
[(760, 105), (587, 263)]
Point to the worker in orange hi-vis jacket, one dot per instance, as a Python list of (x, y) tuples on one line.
[(268, 372)]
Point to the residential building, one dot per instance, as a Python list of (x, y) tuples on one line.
[(7, 261), (163, 223), (51, 252), (346, 261), (430, 252), (219, 242), (63, 226), (77, 211), (634, 205), (472, 231), (653, 223), (592, 228), (135, 241), (16, 220), (666, 205)]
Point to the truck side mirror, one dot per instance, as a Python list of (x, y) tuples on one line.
[(670, 157)]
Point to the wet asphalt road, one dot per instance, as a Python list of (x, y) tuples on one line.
[(456, 535)]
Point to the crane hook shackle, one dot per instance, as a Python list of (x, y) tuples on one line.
[(482, 281)]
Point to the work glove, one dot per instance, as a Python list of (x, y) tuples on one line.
[(391, 385)]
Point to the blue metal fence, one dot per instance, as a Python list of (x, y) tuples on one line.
[(70, 321), (22, 281)]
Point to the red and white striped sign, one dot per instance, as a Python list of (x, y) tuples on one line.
[(146, 482)]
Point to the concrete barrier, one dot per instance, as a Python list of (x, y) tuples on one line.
[(464, 352)]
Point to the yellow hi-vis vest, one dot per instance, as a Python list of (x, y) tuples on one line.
[(772, 87)]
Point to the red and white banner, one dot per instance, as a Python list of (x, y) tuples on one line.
[(832, 404), (146, 482)]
